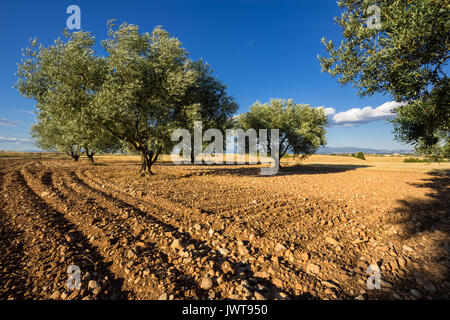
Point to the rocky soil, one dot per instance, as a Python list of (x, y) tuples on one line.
[(221, 232)]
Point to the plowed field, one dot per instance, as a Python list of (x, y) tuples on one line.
[(223, 232)]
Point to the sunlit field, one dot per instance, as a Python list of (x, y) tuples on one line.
[(224, 231)]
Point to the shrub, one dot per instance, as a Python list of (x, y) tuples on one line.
[(360, 155), (426, 160)]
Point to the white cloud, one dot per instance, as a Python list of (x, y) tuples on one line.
[(358, 116), (328, 111), (27, 111), (6, 122), (14, 140)]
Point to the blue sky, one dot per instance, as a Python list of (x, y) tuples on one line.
[(260, 49)]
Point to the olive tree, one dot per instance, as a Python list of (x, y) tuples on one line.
[(63, 78), (49, 135), (215, 106), (53, 134), (404, 54), (152, 88), (302, 129), (143, 89)]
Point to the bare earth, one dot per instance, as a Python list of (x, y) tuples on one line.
[(224, 232)]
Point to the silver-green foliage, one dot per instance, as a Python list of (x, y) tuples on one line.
[(63, 78), (405, 57), (152, 88), (302, 129)]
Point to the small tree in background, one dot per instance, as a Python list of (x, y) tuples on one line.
[(302, 128), (53, 134), (50, 135), (63, 78), (360, 155)]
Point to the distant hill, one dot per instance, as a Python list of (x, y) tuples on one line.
[(25, 151), (328, 150)]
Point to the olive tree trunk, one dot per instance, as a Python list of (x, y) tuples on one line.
[(148, 158)]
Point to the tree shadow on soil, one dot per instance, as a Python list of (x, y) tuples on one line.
[(242, 270), (13, 273), (80, 251), (253, 170), (430, 218)]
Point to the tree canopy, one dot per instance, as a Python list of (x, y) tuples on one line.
[(50, 135), (63, 79), (152, 88), (302, 129), (404, 56)]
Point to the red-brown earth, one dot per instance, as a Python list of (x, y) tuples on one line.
[(222, 232)]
